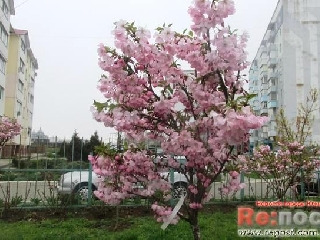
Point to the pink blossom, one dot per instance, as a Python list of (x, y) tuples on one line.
[(9, 128), (150, 97)]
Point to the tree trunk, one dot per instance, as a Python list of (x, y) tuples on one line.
[(196, 232), (194, 224)]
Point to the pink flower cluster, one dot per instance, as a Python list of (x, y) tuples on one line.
[(131, 174), (9, 128), (233, 185), (284, 167), (207, 14), (163, 213), (289, 158)]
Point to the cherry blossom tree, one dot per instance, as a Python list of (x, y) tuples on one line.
[(9, 128), (202, 117), (296, 153)]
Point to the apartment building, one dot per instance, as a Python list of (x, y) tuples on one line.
[(20, 81), (6, 10), (286, 65)]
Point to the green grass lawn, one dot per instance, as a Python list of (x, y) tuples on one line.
[(213, 226)]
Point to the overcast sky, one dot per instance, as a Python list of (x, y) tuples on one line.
[(64, 35)]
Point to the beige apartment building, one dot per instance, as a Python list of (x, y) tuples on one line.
[(20, 81)]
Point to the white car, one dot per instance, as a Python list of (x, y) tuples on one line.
[(78, 183), (311, 187)]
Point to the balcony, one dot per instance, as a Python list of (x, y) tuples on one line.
[(264, 85), (263, 61), (272, 117), (273, 75), (271, 39), (272, 62), (21, 73), (272, 104), (254, 139), (256, 107), (272, 133), (264, 111), (271, 26), (273, 47), (264, 98), (253, 89), (272, 89), (263, 49), (253, 77)]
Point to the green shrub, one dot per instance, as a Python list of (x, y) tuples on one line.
[(8, 176), (20, 163), (15, 201)]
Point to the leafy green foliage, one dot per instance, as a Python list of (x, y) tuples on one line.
[(82, 148)]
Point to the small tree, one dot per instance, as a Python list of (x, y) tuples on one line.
[(73, 148), (9, 128), (81, 147), (90, 145), (201, 117), (293, 156)]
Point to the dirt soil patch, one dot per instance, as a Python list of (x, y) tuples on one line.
[(95, 213)]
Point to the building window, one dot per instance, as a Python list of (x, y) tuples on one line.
[(5, 8), (20, 86), (4, 35), (23, 46), (19, 108), (21, 66), (264, 105), (31, 98), (264, 79), (1, 92), (273, 96), (2, 65), (264, 92), (32, 82)]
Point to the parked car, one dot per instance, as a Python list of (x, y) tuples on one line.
[(78, 183), (311, 187)]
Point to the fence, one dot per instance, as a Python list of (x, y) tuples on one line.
[(35, 184), (19, 151)]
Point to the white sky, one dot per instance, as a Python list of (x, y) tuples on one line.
[(64, 35)]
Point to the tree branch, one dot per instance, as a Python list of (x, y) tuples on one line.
[(223, 86)]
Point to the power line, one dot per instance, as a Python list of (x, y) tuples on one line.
[(21, 3), (15, 8)]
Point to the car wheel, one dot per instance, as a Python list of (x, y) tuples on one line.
[(179, 189), (82, 190)]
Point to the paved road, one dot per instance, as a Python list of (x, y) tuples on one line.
[(5, 163)]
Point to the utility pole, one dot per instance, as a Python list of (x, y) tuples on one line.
[(72, 151)]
